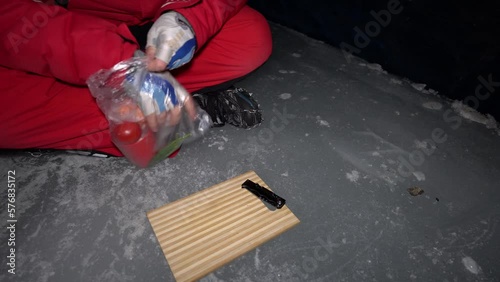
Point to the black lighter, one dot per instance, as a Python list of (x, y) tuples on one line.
[(264, 194)]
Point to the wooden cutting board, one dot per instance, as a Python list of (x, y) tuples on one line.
[(208, 229)]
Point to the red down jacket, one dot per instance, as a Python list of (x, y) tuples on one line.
[(48, 52), (51, 41)]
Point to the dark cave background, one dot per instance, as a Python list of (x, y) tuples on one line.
[(446, 45)]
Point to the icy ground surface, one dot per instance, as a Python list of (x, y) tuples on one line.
[(341, 141)]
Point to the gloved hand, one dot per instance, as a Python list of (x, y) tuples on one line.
[(161, 98), (170, 43)]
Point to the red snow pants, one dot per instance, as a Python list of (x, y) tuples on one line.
[(40, 111)]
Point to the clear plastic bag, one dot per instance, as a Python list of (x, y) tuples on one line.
[(134, 100)]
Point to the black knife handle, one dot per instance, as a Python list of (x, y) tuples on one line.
[(264, 194)]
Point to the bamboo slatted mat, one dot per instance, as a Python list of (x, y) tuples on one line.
[(206, 230)]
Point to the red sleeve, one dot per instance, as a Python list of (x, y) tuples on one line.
[(130, 12), (208, 16), (51, 41)]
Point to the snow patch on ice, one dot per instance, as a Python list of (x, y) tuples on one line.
[(429, 91), (256, 259), (423, 145), (420, 176), (473, 115), (219, 144), (353, 176), (211, 278), (285, 96), (419, 86), (218, 141), (433, 105), (296, 55), (396, 81), (285, 174), (37, 230), (287, 71), (374, 66), (471, 265), (322, 122)]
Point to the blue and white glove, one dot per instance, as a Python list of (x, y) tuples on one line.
[(157, 95), (170, 43), (160, 97)]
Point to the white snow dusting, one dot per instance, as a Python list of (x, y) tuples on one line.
[(217, 141), (433, 105), (256, 259), (420, 176), (473, 115), (471, 265), (285, 96), (353, 176), (287, 71), (419, 86), (374, 66), (322, 122), (396, 81)]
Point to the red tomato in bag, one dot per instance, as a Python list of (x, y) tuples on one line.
[(127, 132)]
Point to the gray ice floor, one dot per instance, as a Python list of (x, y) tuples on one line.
[(342, 142)]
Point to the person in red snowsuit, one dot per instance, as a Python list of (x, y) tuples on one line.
[(47, 52)]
